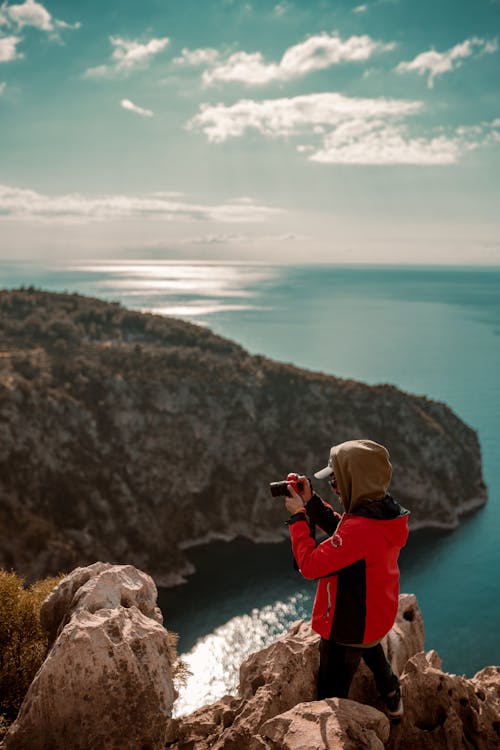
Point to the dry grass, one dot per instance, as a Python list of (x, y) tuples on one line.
[(23, 642)]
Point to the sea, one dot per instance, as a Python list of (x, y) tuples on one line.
[(432, 331)]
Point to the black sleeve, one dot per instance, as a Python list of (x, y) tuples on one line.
[(321, 514)]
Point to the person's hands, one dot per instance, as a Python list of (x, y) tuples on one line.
[(297, 501)]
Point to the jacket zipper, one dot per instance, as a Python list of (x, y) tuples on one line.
[(329, 600)]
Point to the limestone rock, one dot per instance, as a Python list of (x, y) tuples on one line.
[(107, 680), (99, 586), (446, 711), (328, 725)]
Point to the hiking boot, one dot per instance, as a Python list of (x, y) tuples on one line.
[(394, 706)]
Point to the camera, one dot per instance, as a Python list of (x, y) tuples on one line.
[(280, 489)]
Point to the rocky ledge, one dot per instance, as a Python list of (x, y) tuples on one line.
[(128, 436), (107, 683)]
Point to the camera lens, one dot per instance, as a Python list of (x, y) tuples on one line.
[(279, 489)]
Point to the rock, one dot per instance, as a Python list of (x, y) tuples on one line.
[(328, 725), (448, 711), (99, 586), (107, 680), (149, 434), (280, 677)]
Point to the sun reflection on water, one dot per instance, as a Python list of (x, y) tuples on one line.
[(214, 661)]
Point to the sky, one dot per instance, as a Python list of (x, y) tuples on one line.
[(268, 130)]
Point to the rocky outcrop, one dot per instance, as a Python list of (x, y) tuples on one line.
[(448, 711), (127, 437), (276, 707), (107, 679)]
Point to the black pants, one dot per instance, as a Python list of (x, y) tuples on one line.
[(337, 665)]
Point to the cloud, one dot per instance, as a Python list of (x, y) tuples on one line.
[(128, 55), (292, 116), (195, 57), (316, 53), (64, 25), (8, 48), (2, 87), (241, 239), (21, 204), (360, 9), (345, 130), (127, 104), (280, 9), (31, 13), (436, 63), (376, 142)]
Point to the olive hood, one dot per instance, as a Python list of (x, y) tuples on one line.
[(363, 472)]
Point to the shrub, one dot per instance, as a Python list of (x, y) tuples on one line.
[(23, 643)]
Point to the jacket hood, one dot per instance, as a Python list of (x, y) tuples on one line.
[(362, 470)]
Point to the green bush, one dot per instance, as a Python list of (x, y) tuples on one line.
[(23, 643)]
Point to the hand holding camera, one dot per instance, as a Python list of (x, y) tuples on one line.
[(296, 489)]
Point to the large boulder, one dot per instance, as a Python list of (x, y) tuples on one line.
[(328, 725), (107, 679)]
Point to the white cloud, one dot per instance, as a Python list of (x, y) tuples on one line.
[(344, 130), (436, 63), (360, 9), (127, 55), (127, 104), (291, 116), (100, 71), (195, 57), (64, 25), (241, 239), (316, 53), (21, 204), (376, 142), (8, 48), (31, 13), (2, 87), (280, 9)]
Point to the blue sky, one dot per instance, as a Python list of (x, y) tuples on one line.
[(285, 131)]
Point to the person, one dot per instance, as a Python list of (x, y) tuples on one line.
[(356, 566)]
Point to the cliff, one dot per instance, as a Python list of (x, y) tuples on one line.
[(126, 437)]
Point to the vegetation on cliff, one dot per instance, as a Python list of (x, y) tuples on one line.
[(23, 642), (125, 436)]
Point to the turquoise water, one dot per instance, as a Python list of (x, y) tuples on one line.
[(431, 331)]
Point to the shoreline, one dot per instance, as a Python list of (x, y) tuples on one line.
[(181, 576)]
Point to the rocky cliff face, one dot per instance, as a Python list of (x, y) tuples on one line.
[(126, 436)]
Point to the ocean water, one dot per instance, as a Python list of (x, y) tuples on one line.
[(430, 331)]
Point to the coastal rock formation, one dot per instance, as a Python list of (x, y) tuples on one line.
[(447, 711), (276, 707), (107, 679), (128, 436)]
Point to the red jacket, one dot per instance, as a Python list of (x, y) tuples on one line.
[(357, 570)]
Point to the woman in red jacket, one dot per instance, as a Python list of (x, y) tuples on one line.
[(356, 567)]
